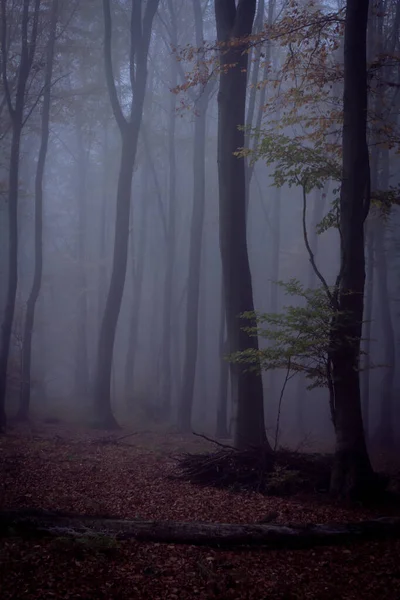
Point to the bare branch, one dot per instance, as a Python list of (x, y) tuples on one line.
[(310, 252)]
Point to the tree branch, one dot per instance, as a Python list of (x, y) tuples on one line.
[(310, 252)]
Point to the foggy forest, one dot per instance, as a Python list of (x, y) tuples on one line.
[(199, 287)]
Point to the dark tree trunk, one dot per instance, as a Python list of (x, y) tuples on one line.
[(352, 472), (236, 22), (16, 112), (196, 236), (114, 298), (25, 393), (129, 129)]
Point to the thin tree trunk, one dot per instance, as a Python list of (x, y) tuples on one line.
[(193, 295), (274, 270), (222, 410), (28, 48), (129, 129), (369, 298), (103, 229), (318, 213), (25, 392), (137, 290), (352, 472), (12, 267), (81, 352), (236, 22), (166, 387), (386, 418)]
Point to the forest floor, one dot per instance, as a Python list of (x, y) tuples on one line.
[(56, 468)]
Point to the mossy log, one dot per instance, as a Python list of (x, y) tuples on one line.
[(271, 536)]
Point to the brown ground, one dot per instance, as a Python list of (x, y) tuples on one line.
[(55, 468)]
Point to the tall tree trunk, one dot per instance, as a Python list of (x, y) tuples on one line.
[(118, 274), (235, 22), (25, 392), (137, 289), (12, 282), (81, 352), (274, 270), (16, 112), (369, 298), (352, 471), (196, 236), (166, 387), (129, 129), (103, 228), (222, 410), (386, 418)]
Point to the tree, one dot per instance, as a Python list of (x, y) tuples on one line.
[(140, 34), (234, 25), (166, 387), (25, 391), (196, 232), (352, 470), (16, 110)]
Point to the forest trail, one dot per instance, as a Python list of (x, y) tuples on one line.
[(53, 468)]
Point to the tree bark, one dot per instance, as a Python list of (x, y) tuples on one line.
[(352, 472), (25, 393), (202, 534), (235, 22)]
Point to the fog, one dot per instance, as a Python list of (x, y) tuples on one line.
[(79, 213)]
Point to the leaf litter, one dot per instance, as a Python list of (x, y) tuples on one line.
[(53, 468)]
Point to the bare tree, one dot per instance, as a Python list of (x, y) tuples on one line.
[(234, 23), (142, 15), (352, 470), (16, 108), (196, 237), (25, 393)]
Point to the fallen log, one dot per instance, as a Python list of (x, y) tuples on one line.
[(271, 536)]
